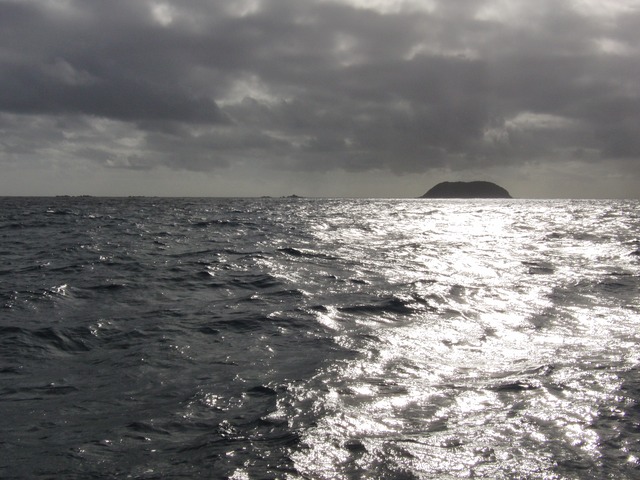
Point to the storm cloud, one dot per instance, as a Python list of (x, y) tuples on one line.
[(393, 88)]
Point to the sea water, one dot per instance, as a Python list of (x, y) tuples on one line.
[(319, 338)]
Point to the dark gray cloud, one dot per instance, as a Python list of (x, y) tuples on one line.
[(320, 85)]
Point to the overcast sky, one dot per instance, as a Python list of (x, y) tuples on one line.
[(319, 97)]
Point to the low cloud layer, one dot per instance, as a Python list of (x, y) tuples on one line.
[(305, 88)]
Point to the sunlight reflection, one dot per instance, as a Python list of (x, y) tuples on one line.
[(479, 371)]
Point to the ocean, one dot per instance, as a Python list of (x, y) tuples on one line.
[(294, 338)]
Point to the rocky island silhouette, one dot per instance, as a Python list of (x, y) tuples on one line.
[(476, 189)]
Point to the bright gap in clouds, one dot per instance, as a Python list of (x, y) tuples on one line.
[(522, 12), (607, 8), (392, 6), (242, 8), (249, 87), (162, 14)]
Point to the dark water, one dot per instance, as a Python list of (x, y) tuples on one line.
[(280, 338)]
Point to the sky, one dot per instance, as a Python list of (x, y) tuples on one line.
[(338, 98)]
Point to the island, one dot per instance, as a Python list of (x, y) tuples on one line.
[(475, 189)]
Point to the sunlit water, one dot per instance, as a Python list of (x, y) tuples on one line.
[(320, 339)]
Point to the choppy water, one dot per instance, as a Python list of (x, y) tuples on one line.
[(281, 338)]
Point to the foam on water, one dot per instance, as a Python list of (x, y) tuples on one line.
[(277, 338)]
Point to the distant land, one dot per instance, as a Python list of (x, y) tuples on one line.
[(467, 190)]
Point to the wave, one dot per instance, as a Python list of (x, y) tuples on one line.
[(295, 252), (386, 305)]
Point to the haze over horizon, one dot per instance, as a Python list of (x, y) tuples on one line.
[(336, 98)]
